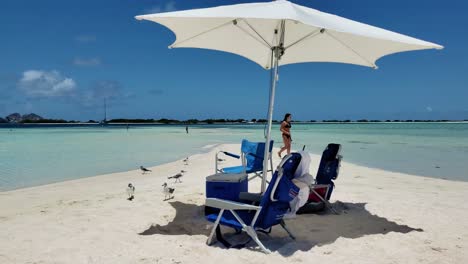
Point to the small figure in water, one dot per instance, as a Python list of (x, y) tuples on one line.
[(186, 129)]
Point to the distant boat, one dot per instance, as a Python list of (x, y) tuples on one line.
[(104, 121)]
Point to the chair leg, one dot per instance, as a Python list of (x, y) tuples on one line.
[(327, 203), (210, 238), (253, 177), (271, 166), (283, 225), (251, 232), (258, 175)]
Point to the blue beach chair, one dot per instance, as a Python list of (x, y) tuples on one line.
[(252, 159), (321, 190), (252, 218)]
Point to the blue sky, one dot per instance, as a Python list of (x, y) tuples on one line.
[(60, 59)]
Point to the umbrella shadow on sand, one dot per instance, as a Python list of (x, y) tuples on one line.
[(311, 230)]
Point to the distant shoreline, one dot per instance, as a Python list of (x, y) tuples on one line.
[(18, 125), (16, 119)]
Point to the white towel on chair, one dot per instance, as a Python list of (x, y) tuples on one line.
[(301, 197), (302, 179), (302, 172)]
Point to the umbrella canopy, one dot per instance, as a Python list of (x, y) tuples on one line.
[(279, 33), (251, 31)]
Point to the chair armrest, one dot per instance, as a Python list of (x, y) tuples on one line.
[(230, 154), (314, 186), (251, 197), (229, 205)]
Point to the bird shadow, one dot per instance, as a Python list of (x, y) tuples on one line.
[(353, 221)]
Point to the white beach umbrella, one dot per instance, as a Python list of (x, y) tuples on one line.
[(279, 33)]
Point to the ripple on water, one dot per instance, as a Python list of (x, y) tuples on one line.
[(361, 142)]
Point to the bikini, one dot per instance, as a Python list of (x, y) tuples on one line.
[(287, 126)]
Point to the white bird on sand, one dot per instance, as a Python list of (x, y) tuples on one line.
[(144, 170), (168, 191), (177, 176), (130, 191), (186, 161)]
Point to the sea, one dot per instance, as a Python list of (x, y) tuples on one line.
[(32, 155)]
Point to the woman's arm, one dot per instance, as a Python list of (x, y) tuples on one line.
[(282, 128)]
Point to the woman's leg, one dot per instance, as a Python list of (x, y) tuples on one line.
[(285, 141), (288, 146), (281, 151)]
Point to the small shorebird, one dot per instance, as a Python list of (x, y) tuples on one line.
[(168, 192), (144, 170), (130, 191), (186, 161), (177, 176)]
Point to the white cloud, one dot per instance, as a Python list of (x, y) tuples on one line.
[(38, 83), (87, 62), (163, 7)]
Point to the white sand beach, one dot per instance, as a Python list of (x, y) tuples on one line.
[(386, 217)]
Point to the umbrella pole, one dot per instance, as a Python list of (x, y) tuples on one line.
[(275, 57), (276, 54)]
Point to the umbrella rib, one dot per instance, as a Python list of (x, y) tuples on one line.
[(256, 32), (311, 34), (351, 49), (252, 36), (202, 33)]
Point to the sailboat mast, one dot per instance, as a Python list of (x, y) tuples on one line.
[(105, 110)]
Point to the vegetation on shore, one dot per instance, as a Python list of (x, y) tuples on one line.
[(32, 118)]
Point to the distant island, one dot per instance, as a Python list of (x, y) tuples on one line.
[(16, 118)]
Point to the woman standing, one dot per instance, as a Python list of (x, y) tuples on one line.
[(286, 134)]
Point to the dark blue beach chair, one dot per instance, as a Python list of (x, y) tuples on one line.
[(252, 218), (252, 159), (329, 167), (321, 190)]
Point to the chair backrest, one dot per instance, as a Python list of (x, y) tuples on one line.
[(254, 162), (329, 166), (280, 191)]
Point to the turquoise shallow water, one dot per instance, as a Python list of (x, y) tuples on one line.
[(40, 155)]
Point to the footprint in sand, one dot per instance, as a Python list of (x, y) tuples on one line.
[(297, 260), (438, 249), (62, 202)]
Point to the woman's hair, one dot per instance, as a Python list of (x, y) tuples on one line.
[(286, 116)]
